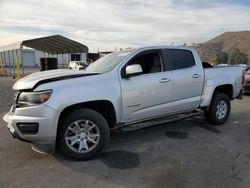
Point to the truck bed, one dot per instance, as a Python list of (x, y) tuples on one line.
[(227, 75)]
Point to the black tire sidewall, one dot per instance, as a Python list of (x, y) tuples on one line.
[(217, 98), (87, 114)]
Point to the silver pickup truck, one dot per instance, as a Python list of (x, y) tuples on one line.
[(74, 111)]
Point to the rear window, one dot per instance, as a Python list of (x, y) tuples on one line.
[(181, 59)]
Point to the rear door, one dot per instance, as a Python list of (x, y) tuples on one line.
[(187, 80)]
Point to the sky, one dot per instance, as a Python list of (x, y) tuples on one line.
[(106, 24)]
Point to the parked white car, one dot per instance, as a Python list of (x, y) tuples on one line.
[(78, 65), (222, 65), (75, 111)]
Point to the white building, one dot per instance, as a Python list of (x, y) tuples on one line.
[(30, 57)]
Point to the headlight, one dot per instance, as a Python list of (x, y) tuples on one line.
[(33, 98)]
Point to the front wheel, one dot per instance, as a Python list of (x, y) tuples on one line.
[(84, 134), (219, 109)]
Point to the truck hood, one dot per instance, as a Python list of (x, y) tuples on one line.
[(31, 81)]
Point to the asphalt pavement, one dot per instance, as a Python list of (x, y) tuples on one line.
[(185, 154)]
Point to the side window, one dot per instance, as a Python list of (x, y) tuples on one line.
[(150, 62), (181, 59)]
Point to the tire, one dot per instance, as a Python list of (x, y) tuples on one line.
[(73, 137), (219, 109)]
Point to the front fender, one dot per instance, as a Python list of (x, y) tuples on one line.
[(79, 90)]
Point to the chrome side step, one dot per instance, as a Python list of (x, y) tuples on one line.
[(159, 121)]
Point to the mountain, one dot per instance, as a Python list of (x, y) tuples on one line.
[(224, 43)]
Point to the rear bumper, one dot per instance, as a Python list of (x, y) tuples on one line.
[(44, 116), (247, 88), (240, 94)]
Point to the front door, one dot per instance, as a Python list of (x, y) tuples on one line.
[(150, 94)]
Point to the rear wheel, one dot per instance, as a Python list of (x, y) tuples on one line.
[(84, 134), (219, 109)]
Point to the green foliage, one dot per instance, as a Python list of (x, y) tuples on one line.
[(222, 58), (234, 57), (237, 57)]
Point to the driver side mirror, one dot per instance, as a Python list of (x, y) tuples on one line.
[(133, 70)]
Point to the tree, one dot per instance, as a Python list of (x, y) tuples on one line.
[(237, 57), (222, 58)]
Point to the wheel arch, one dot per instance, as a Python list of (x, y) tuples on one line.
[(104, 107), (226, 89)]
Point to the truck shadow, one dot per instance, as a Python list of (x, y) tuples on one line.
[(122, 153), (120, 159), (176, 134), (200, 121)]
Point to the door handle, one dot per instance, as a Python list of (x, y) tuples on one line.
[(164, 80), (196, 76)]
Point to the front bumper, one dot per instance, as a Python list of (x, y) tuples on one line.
[(43, 115)]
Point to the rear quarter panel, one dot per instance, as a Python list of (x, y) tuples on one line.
[(218, 76)]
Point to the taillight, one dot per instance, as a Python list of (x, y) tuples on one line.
[(243, 77)]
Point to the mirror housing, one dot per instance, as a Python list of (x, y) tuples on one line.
[(133, 70)]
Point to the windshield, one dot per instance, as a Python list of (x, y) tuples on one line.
[(108, 62)]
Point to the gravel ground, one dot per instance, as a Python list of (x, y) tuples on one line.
[(188, 154), (6, 93)]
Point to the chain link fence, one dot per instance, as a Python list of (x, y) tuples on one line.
[(20, 63), (11, 71)]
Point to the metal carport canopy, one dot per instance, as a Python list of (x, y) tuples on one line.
[(55, 44)]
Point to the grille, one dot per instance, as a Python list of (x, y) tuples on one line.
[(16, 95), (13, 106)]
